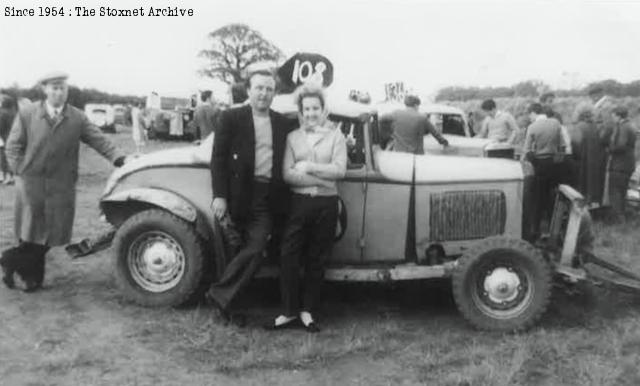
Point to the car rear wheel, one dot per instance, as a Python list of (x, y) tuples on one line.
[(159, 259), (502, 284)]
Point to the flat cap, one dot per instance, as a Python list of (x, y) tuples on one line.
[(51, 76)]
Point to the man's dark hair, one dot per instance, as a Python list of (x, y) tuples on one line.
[(239, 93), (488, 105), (411, 101), (260, 72), (596, 90), (205, 95), (544, 98), (621, 111), (548, 111), (536, 108)]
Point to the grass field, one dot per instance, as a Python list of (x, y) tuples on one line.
[(79, 331)]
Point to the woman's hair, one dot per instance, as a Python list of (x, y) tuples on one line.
[(584, 112), (310, 91)]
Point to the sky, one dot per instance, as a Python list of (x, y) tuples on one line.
[(425, 44)]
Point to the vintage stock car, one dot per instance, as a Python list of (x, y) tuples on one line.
[(402, 217)]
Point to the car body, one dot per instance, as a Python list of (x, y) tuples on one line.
[(121, 114), (101, 115), (402, 217)]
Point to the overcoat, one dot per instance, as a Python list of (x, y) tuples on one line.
[(43, 153), (622, 148), (592, 161)]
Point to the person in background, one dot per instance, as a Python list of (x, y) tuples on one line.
[(566, 172), (523, 121), (589, 151), (206, 115), (543, 147), (409, 127), (602, 106), (621, 149), (471, 123), (42, 150), (547, 101), (498, 126), (7, 114), (239, 94), (138, 126)]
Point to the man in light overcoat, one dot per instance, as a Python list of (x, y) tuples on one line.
[(42, 149)]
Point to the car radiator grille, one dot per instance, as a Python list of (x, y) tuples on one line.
[(467, 215)]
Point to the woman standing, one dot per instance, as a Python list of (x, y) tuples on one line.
[(315, 158), (591, 155)]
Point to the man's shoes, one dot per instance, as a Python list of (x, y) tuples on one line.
[(235, 319), (32, 286), (229, 318)]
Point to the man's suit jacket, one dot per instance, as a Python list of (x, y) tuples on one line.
[(233, 161)]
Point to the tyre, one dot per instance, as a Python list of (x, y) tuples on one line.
[(159, 259), (503, 284)]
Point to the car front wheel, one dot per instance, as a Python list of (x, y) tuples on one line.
[(502, 284), (159, 259)]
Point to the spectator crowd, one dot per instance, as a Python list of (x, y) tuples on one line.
[(593, 151)]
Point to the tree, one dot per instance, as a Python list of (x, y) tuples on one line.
[(530, 88), (234, 47)]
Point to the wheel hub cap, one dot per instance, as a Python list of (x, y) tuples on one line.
[(159, 258), (156, 261), (501, 285)]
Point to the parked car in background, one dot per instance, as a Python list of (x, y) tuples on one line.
[(101, 115), (170, 117), (452, 123), (120, 114)]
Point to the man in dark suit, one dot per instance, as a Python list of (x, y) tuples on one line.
[(246, 175)]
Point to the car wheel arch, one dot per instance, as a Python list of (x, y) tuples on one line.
[(119, 206)]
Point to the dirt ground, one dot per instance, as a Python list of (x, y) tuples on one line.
[(79, 331)]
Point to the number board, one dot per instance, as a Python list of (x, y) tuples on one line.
[(303, 67)]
